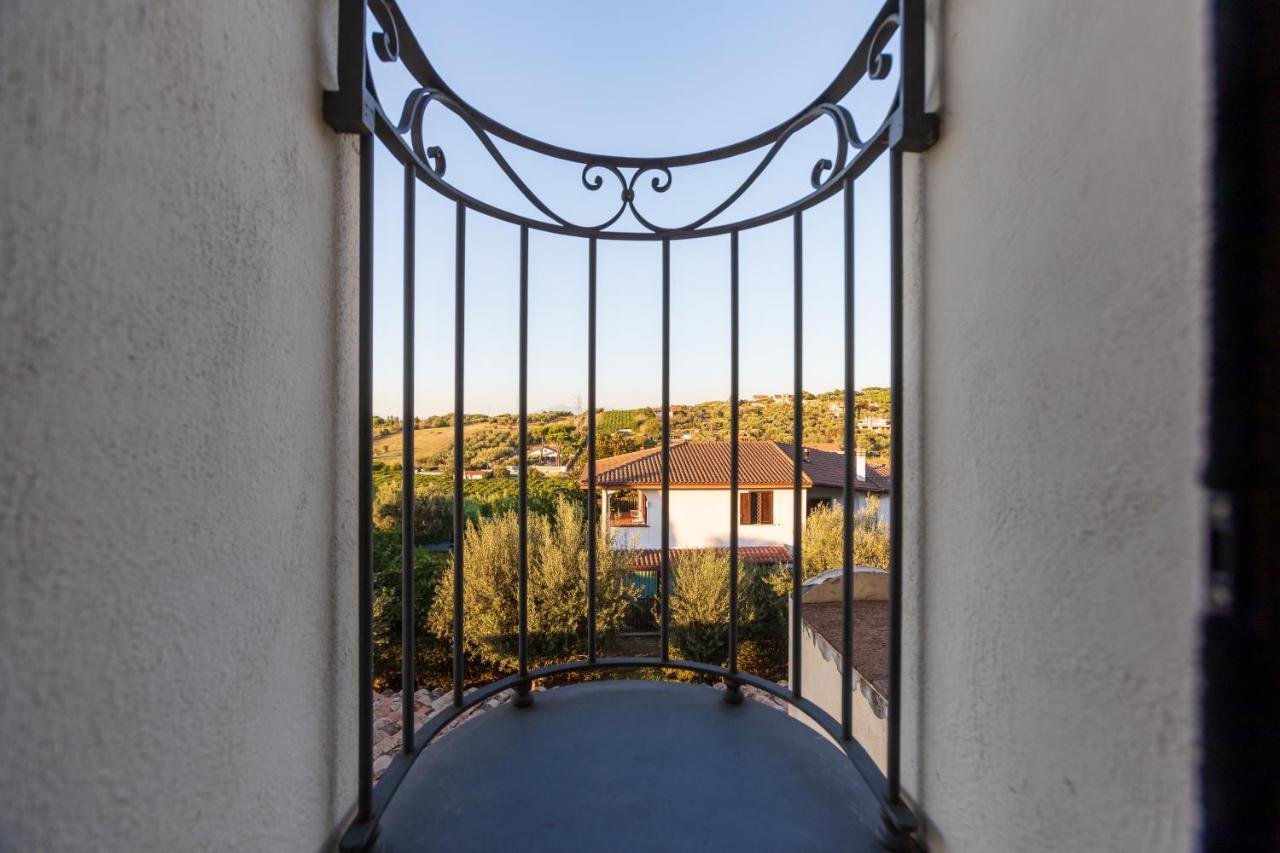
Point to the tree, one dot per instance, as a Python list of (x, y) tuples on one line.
[(557, 587), (559, 435), (700, 611), (431, 656), (824, 538), (613, 444)]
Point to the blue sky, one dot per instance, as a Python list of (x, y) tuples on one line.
[(672, 78)]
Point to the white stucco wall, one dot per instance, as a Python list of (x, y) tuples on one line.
[(1056, 325), (177, 552), (700, 519), (885, 502), (822, 667)]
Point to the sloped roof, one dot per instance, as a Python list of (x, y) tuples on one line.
[(651, 558), (705, 464), (826, 468), (694, 464)]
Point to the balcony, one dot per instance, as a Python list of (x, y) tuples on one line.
[(631, 765), (1089, 619)]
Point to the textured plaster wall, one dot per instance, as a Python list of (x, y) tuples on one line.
[(177, 363), (1056, 336)]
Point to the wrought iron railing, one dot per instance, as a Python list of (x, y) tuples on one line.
[(356, 108)]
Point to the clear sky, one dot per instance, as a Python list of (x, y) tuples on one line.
[(663, 79)]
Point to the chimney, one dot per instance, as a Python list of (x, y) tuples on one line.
[(860, 463), (806, 454)]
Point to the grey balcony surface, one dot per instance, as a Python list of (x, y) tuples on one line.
[(632, 766)]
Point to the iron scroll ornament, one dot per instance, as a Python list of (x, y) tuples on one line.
[(408, 140)]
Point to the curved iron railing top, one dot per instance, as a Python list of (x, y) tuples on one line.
[(407, 137)]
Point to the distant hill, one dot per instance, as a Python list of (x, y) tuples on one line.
[(492, 440), (613, 420)]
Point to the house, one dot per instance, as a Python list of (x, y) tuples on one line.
[(825, 464), (544, 454), (631, 490), (476, 473)]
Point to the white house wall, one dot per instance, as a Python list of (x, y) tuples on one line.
[(700, 519), (860, 499)]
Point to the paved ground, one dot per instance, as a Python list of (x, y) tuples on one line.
[(632, 766), (386, 717)]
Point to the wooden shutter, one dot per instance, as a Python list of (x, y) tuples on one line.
[(744, 508), (766, 508)]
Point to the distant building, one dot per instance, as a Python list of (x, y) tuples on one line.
[(544, 455)]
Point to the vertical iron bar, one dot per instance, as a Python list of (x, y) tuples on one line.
[(797, 429), (593, 533), (733, 456), (666, 451), (522, 692), (850, 448), (459, 522), (408, 681), (364, 501), (893, 763)]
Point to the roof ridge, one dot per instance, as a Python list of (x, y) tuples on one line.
[(805, 479)]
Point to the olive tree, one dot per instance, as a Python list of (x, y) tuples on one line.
[(824, 538), (557, 586)]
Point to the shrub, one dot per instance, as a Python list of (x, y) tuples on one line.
[(430, 655), (824, 538), (557, 587), (700, 612)]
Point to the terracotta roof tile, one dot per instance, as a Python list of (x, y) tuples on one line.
[(760, 463), (651, 558)]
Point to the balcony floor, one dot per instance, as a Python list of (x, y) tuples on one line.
[(632, 765)]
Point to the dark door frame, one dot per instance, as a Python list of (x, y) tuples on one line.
[(1240, 653)]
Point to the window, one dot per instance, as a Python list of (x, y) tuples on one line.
[(755, 508), (814, 503), (627, 509)]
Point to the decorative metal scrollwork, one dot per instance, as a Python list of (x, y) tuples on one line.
[(880, 63), (392, 45)]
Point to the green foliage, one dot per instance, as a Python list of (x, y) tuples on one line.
[(557, 587), (559, 435), (385, 425), (431, 656), (616, 419), (823, 545), (700, 612), (433, 500), (613, 444), (494, 443)]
